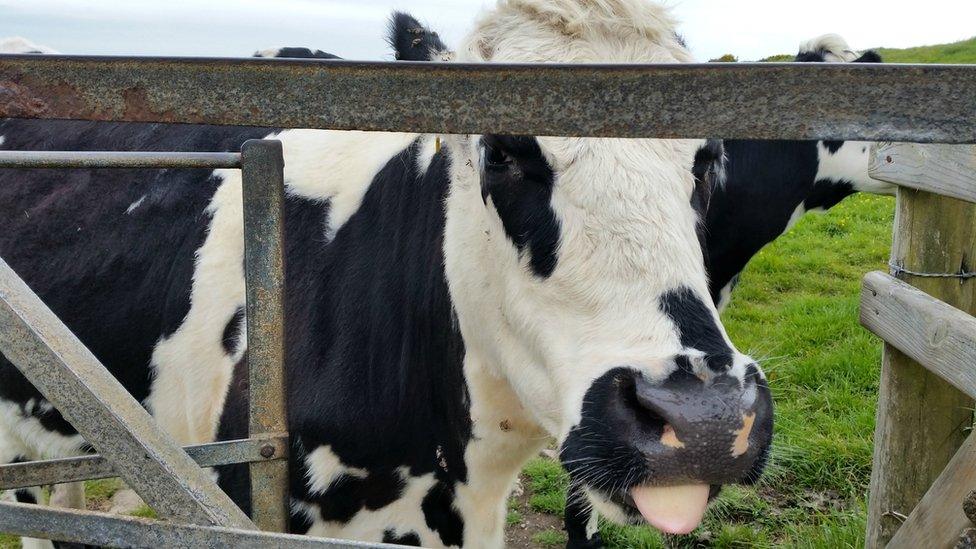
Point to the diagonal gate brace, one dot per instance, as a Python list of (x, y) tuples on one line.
[(110, 419)]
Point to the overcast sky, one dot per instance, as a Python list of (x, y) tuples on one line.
[(750, 29)]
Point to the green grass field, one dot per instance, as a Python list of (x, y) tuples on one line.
[(957, 52), (796, 310)]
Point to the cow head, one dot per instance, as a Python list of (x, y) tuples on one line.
[(843, 164), (577, 277)]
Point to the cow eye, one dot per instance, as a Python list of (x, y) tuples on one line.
[(496, 158)]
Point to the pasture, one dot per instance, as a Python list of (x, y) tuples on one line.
[(796, 309)]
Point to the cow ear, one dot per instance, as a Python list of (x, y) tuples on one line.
[(869, 57)]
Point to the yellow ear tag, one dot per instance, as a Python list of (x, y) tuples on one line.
[(437, 144)]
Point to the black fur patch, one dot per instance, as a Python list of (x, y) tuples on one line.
[(519, 181), (697, 327), (231, 338), (833, 146), (119, 276), (827, 194), (709, 172), (410, 40), (577, 518), (869, 57), (410, 539), (25, 496), (374, 360), (348, 495), (441, 517), (765, 182), (301, 53)]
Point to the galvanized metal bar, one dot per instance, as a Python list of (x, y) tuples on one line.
[(262, 168), (872, 102), (100, 529), (96, 404), (75, 469), (112, 159)]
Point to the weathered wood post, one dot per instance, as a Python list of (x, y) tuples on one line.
[(921, 419)]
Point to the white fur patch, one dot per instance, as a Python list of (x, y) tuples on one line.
[(850, 164), (132, 207), (724, 297), (337, 167), (2, 139), (833, 47), (25, 436), (191, 371), (503, 439), (270, 52), (403, 516), (428, 148), (325, 468)]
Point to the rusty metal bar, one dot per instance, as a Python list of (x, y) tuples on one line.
[(873, 102), (70, 377), (112, 159), (100, 529), (75, 469), (262, 168)]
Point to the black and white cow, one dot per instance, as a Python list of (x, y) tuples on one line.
[(762, 189), (448, 309), (770, 185)]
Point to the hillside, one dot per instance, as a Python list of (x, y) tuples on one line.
[(956, 52)]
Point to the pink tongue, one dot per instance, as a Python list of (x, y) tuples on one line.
[(672, 509)]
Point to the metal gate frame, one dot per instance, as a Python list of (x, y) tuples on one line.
[(170, 479), (868, 102)]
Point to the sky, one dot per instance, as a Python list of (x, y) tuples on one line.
[(749, 29)]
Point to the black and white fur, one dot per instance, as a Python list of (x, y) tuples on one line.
[(448, 309), (770, 185)]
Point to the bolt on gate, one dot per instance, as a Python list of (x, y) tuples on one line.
[(868, 102)]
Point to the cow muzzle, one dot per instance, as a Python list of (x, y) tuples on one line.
[(662, 449)]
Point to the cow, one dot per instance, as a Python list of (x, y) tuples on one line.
[(452, 302), (761, 190), (770, 185), (757, 194)]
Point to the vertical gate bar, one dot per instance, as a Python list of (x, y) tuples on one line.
[(69, 376), (262, 168)]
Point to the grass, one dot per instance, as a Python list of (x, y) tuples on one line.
[(963, 51), (956, 52), (796, 309), (98, 494)]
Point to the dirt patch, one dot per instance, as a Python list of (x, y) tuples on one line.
[(532, 526)]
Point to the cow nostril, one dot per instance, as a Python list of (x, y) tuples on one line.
[(647, 418)]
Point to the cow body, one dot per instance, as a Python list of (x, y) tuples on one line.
[(449, 309), (770, 185)]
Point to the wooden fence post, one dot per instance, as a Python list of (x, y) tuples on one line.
[(921, 419)]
